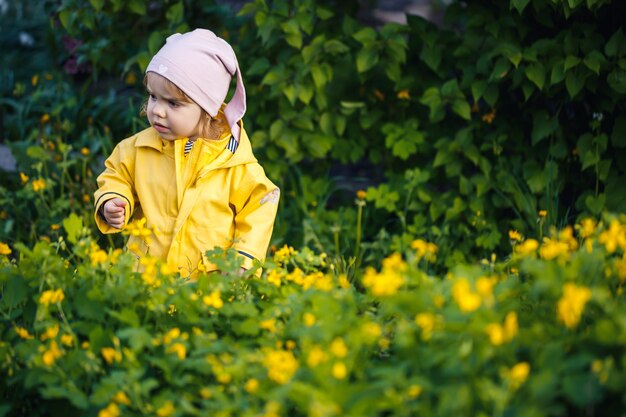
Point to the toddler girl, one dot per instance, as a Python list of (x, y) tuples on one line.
[(192, 173)]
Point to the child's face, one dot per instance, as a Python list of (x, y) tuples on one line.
[(171, 115)]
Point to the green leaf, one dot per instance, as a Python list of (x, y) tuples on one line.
[(14, 292), (618, 136), (543, 126), (259, 66), (573, 83), (293, 36), (462, 108), (319, 77), (305, 92), (617, 81), (335, 47), (366, 59), (431, 55), (616, 46), (138, 7), (478, 88), (67, 18), (594, 61), (366, 36), (595, 204), (571, 62), (155, 41), (326, 123), (323, 14), (536, 73), (520, 5), (275, 75), (97, 4), (175, 13), (558, 73), (73, 225), (126, 316)]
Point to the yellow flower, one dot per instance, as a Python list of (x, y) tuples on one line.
[(552, 248), (51, 297), (23, 333), (111, 410), (361, 194), (587, 228), (97, 257), (315, 357), (171, 335), (273, 277), (52, 354), (166, 410), (34, 80), (281, 365), (213, 299), (496, 334), (50, 333), (283, 254), (179, 349), (338, 348), (543, 213), (467, 300), (138, 228), (269, 325), (131, 78), (424, 249), (39, 185), (499, 334), (572, 304), (613, 237), (389, 280), (251, 386), (371, 331), (518, 374), (404, 94), (121, 398), (339, 370), (527, 247), (110, 355), (45, 118), (414, 391), (309, 319), (4, 249), (343, 281), (514, 235), (426, 321), (484, 287), (488, 117), (23, 178), (84, 151), (67, 340)]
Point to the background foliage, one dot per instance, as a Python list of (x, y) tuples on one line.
[(495, 126)]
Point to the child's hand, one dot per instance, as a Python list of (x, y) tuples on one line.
[(113, 212)]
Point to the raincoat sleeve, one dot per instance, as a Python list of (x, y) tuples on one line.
[(115, 181), (256, 204)]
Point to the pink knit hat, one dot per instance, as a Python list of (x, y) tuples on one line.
[(202, 65)]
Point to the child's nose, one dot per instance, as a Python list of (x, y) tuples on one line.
[(159, 109)]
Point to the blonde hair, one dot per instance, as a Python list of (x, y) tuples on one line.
[(211, 128)]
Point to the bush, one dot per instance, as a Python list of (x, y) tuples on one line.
[(535, 334)]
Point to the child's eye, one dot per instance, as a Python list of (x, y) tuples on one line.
[(152, 96), (173, 103)]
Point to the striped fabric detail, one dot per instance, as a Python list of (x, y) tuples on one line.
[(188, 146), (232, 144)]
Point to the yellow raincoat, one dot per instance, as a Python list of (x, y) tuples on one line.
[(211, 197)]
